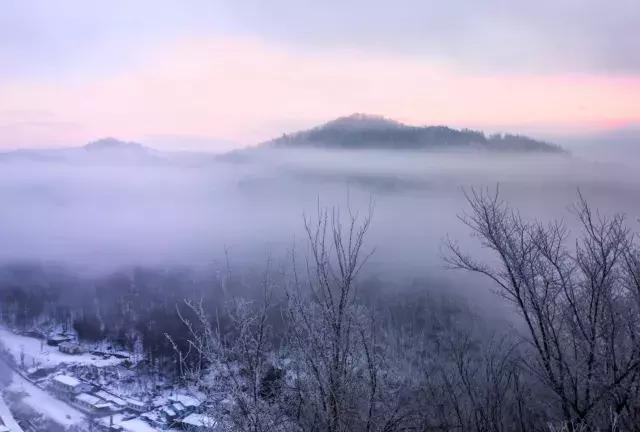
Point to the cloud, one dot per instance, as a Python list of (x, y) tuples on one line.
[(68, 39), (246, 91), (486, 35)]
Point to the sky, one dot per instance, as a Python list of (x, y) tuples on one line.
[(214, 74)]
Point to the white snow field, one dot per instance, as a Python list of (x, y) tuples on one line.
[(38, 354)]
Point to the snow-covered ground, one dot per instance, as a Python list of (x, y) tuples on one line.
[(46, 404), (133, 425), (136, 425), (38, 354), (7, 417)]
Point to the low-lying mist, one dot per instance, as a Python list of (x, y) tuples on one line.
[(175, 210), (114, 245)]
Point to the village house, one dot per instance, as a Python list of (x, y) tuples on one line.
[(70, 348), (92, 403), (34, 333), (179, 409), (156, 419), (200, 422), (137, 405), (123, 355), (109, 423), (69, 386), (169, 413), (116, 402), (123, 373), (189, 404), (57, 339)]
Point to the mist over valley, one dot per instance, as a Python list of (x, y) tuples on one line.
[(113, 203), (137, 258)]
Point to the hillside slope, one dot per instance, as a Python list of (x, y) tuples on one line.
[(360, 131)]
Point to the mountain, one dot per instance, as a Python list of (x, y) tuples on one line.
[(107, 151), (122, 152), (362, 131), (113, 144)]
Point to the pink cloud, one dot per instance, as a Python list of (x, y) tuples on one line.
[(246, 91)]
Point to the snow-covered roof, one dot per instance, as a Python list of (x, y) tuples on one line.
[(111, 398), (67, 380), (151, 415), (159, 401), (155, 417), (106, 421), (136, 402), (199, 420), (59, 338), (137, 425), (168, 411), (187, 401), (133, 425), (89, 399), (70, 344)]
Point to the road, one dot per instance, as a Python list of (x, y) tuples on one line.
[(6, 376), (40, 401)]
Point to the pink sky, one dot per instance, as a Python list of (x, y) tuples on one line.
[(246, 90)]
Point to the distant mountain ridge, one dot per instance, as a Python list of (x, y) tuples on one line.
[(363, 131), (354, 132), (106, 151), (111, 144)]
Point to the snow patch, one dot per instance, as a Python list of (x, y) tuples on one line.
[(35, 352)]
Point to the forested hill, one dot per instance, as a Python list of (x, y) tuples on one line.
[(360, 131)]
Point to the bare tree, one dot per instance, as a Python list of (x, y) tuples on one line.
[(337, 362), (236, 366), (332, 363), (483, 384), (579, 304), (462, 374)]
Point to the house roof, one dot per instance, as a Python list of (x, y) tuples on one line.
[(67, 380), (168, 411), (136, 402), (178, 407), (187, 401), (69, 344), (109, 397), (89, 399), (200, 420), (59, 338), (153, 416)]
